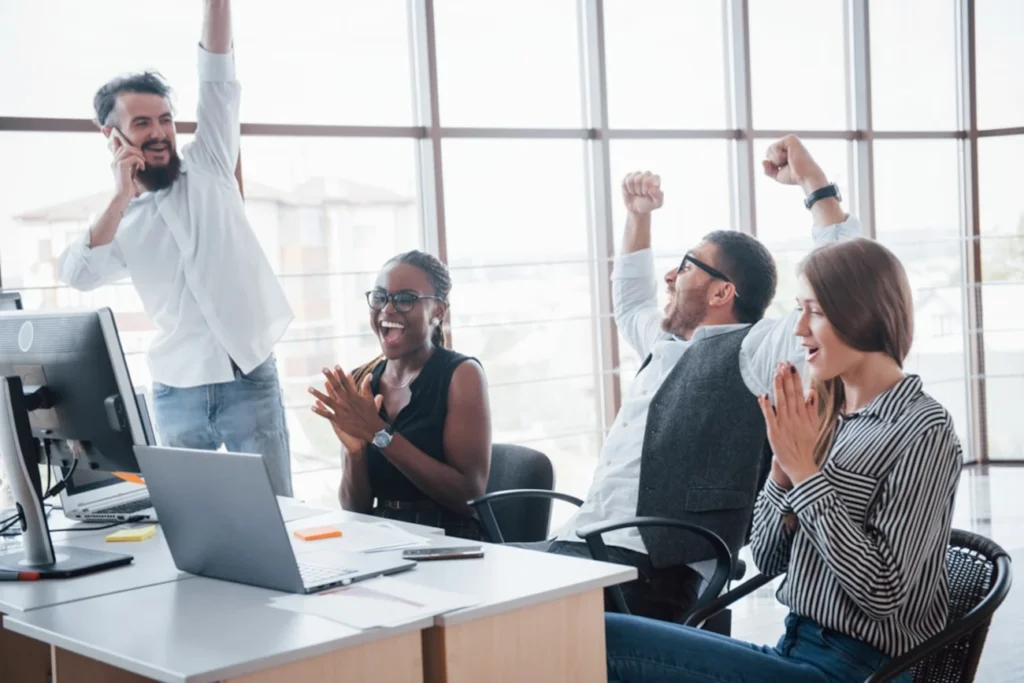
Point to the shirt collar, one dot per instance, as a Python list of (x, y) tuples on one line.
[(706, 331), (892, 403)]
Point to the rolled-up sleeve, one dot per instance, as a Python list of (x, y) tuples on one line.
[(83, 267)]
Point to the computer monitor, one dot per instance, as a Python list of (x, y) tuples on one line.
[(10, 301), (65, 390)]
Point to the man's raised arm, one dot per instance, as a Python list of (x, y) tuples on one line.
[(217, 27), (217, 118), (789, 162)]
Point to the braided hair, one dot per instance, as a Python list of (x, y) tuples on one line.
[(440, 280)]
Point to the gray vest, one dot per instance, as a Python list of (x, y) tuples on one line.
[(705, 454)]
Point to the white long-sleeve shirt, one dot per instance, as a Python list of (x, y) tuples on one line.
[(192, 256), (614, 491)]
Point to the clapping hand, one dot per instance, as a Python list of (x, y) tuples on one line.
[(354, 414), (793, 427)]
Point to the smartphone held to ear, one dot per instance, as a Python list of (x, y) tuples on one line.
[(453, 553)]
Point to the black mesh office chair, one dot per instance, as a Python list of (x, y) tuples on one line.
[(979, 580)]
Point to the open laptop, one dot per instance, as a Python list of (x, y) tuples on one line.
[(221, 520), (97, 496)]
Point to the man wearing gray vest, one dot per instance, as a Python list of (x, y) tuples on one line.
[(689, 441)]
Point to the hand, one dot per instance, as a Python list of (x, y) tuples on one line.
[(789, 162), (793, 426), (354, 414), (127, 161), (642, 193)]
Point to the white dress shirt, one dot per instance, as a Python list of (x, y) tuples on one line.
[(192, 256), (613, 493)]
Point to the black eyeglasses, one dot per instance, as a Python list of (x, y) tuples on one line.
[(403, 302), (713, 272)]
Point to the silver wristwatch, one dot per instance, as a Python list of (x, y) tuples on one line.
[(382, 439)]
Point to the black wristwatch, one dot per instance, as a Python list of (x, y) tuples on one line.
[(830, 190)]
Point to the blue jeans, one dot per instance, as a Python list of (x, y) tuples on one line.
[(245, 416), (655, 651)]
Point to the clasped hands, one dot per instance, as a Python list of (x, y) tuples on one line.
[(354, 414), (793, 426)]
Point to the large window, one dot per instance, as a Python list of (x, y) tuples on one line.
[(1002, 254), (797, 64), (913, 64), (340, 173), (503, 65)]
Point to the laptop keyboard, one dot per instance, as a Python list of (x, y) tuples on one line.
[(317, 575), (128, 508)]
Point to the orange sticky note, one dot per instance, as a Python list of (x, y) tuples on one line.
[(317, 533), (130, 478)]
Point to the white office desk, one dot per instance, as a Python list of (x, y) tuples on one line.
[(152, 565), (202, 630), (539, 617)]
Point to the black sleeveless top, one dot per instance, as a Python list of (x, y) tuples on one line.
[(421, 422)]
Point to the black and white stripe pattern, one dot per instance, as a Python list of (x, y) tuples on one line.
[(868, 557)]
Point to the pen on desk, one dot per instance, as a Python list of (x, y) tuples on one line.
[(19, 576)]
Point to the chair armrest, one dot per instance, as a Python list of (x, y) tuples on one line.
[(979, 617), (713, 607), (483, 506), (723, 558)]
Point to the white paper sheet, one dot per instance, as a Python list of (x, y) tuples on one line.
[(376, 603)]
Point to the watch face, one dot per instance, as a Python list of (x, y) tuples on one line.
[(382, 439)]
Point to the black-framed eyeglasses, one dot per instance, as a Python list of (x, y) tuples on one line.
[(713, 272), (403, 302)]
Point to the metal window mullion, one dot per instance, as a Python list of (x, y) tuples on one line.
[(601, 241), (862, 177), (743, 200), (428, 149), (970, 221)]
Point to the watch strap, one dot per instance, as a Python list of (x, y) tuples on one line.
[(830, 190)]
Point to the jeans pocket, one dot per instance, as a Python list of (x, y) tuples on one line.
[(858, 656), (263, 376), (161, 390)]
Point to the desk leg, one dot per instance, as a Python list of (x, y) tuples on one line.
[(23, 659), (562, 640), (398, 659)]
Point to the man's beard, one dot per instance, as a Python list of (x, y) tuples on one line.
[(155, 178), (686, 316)]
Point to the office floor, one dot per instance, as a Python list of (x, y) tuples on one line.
[(988, 503)]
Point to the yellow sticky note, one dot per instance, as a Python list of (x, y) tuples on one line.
[(139, 534)]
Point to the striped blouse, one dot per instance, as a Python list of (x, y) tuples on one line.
[(868, 557)]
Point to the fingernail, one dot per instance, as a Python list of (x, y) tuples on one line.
[(792, 368)]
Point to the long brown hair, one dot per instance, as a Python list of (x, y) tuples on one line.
[(440, 280), (863, 290)]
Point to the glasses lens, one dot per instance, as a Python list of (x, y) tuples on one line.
[(404, 301), (377, 300)]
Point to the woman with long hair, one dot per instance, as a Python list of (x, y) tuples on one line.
[(414, 423), (857, 509)]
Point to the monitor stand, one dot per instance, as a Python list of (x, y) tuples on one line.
[(19, 456)]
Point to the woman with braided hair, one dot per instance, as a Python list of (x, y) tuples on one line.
[(414, 423)]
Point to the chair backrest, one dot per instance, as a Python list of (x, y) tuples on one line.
[(518, 467), (974, 576)]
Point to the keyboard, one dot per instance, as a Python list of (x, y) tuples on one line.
[(318, 575), (128, 508)]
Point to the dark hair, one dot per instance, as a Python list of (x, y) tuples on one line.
[(440, 280), (150, 82), (751, 268)]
